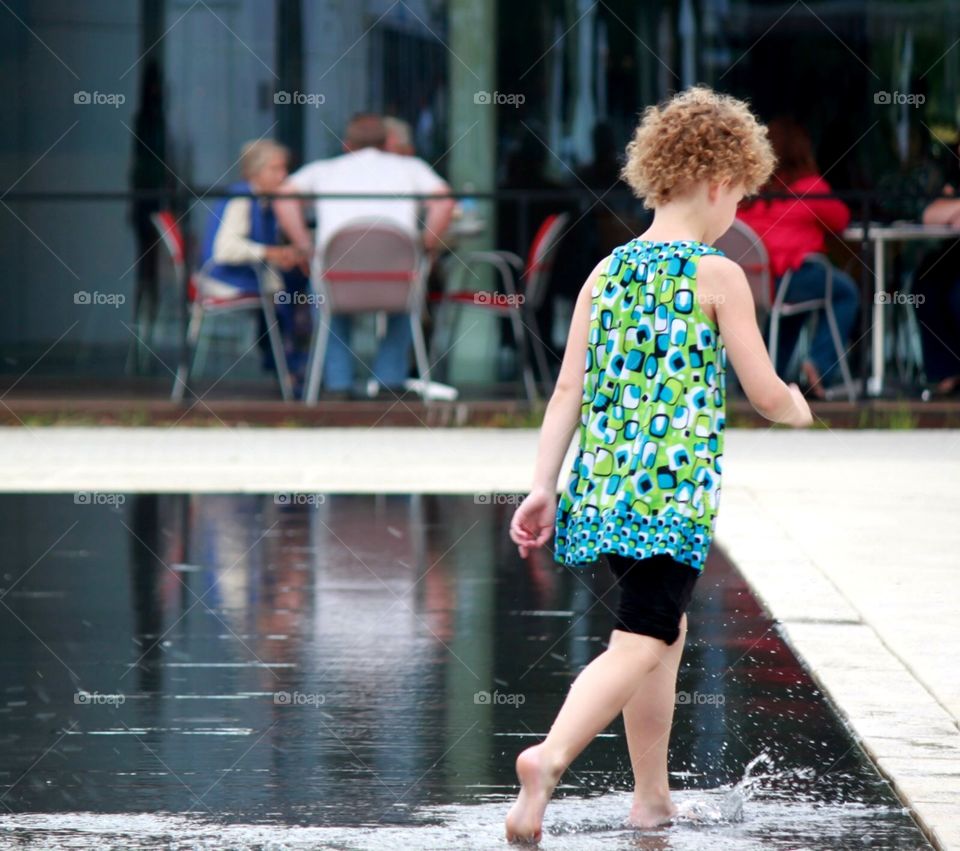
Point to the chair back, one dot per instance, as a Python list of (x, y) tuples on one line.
[(169, 229), (171, 234), (541, 257), (742, 245), (367, 267)]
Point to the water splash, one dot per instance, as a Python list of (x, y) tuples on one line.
[(729, 808)]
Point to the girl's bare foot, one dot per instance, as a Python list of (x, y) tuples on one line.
[(652, 813), (537, 779)]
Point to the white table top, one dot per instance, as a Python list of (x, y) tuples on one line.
[(902, 231)]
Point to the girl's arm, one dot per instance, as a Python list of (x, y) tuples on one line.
[(533, 521), (737, 321), (562, 415)]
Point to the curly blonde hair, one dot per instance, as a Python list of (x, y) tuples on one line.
[(697, 135)]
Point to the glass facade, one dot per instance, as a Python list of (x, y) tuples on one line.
[(116, 111)]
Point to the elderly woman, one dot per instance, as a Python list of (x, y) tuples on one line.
[(241, 242)]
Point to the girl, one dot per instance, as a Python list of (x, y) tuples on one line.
[(643, 378)]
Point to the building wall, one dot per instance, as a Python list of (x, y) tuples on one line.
[(50, 251), (220, 79)]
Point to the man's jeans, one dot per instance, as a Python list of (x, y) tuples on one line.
[(391, 365)]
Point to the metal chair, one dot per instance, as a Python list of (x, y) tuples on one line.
[(743, 245), (368, 267), (520, 307), (781, 307), (167, 227), (207, 305), (907, 344)]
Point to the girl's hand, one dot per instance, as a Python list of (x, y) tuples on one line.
[(804, 416), (533, 521)]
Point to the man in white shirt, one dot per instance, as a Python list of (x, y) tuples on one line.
[(366, 168)]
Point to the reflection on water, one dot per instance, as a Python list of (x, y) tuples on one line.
[(360, 672)]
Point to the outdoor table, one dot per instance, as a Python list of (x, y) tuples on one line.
[(463, 228), (880, 235)]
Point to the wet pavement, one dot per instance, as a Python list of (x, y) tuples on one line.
[(331, 671)]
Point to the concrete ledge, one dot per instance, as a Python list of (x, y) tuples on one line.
[(860, 573)]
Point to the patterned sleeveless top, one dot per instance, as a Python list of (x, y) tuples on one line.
[(646, 477)]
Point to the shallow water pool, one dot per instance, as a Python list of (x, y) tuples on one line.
[(337, 671)]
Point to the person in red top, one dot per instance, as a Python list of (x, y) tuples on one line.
[(792, 228)]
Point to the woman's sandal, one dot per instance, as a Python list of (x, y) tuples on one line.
[(811, 386)]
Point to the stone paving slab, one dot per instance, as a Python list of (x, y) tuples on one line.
[(850, 538)]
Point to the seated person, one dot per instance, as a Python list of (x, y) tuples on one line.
[(938, 311), (241, 241), (367, 168), (399, 137), (792, 228)]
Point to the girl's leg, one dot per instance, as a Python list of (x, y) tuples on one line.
[(596, 697), (648, 719)]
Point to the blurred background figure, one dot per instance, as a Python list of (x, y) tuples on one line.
[(149, 171), (241, 247), (791, 229), (399, 137), (937, 287), (367, 168)]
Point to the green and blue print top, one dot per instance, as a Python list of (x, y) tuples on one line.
[(646, 477)]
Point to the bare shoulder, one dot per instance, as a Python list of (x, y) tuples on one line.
[(589, 285), (718, 269)]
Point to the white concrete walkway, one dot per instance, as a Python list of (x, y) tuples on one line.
[(851, 538)]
